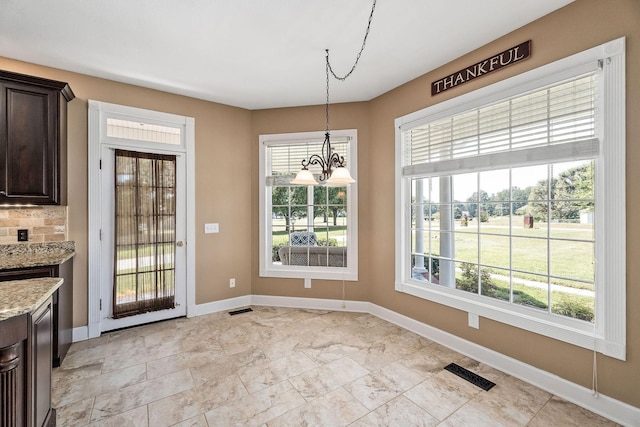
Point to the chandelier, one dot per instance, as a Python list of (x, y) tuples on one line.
[(334, 170)]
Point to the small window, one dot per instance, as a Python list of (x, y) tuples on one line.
[(141, 131), (306, 231)]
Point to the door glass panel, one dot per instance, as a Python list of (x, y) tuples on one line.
[(145, 233)]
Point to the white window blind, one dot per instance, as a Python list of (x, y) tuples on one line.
[(551, 122), (286, 158)]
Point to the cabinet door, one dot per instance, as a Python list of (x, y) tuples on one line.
[(62, 302), (14, 392), (29, 149), (41, 353)]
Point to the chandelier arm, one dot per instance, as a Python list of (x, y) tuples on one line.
[(364, 42), (315, 159), (336, 160)]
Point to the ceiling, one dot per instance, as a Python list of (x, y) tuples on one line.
[(256, 54)]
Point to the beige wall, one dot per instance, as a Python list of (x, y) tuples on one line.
[(579, 26), (227, 143), (306, 119), (222, 150)]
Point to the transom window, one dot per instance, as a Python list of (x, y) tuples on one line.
[(505, 201), (306, 231), (141, 131)]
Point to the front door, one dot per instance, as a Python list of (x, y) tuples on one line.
[(143, 255)]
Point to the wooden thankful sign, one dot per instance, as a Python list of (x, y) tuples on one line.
[(489, 65)]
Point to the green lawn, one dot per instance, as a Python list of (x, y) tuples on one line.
[(564, 303), (571, 259)]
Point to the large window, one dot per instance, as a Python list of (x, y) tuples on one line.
[(306, 231), (505, 207)]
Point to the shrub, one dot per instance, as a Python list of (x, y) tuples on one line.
[(275, 256), (327, 242), (469, 280), (573, 309)]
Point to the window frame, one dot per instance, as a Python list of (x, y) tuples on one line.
[(267, 267), (608, 334)]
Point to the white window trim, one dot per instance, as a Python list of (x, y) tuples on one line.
[(267, 268), (608, 336)]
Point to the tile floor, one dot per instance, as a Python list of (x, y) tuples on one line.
[(289, 367)]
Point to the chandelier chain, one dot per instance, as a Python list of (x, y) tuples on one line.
[(328, 159), (364, 42), (329, 69)]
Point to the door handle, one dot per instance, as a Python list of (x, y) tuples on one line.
[(179, 243)]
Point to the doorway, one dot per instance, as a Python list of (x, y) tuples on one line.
[(141, 266)]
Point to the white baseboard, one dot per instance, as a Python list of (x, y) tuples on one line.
[(311, 303), (80, 334), (610, 408), (223, 305)]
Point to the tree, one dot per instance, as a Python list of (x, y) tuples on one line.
[(517, 197), (329, 199), (474, 200), (537, 206), (289, 202), (569, 193), (573, 193)]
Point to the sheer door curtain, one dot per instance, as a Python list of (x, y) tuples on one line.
[(145, 233)]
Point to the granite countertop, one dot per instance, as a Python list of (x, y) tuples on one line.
[(25, 255), (24, 296)]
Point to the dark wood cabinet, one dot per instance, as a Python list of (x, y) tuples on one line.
[(13, 371), (25, 369), (41, 352), (33, 139), (62, 302)]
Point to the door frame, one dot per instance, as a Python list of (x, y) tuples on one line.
[(107, 322), (98, 113)]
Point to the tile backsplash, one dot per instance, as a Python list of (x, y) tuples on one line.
[(45, 224)]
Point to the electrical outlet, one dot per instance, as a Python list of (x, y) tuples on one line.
[(232, 282), (23, 235), (474, 321)]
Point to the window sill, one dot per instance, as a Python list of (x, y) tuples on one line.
[(304, 272), (571, 331)]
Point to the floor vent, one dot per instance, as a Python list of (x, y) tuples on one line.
[(466, 374), (243, 310)]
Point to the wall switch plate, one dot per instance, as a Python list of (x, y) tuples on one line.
[(232, 282), (474, 321), (23, 235), (211, 228)]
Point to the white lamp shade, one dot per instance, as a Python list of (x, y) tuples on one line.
[(340, 177), (304, 177)]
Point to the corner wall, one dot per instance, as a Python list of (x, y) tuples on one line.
[(222, 149), (307, 119), (577, 27)]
